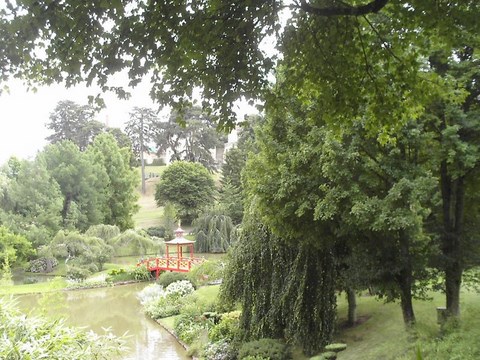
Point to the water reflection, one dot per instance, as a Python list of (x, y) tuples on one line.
[(116, 308)]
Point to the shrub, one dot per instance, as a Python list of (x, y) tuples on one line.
[(227, 328), (162, 307), (266, 348), (157, 231), (166, 278), (179, 289), (140, 273), (220, 350), (150, 293), (26, 337), (257, 357), (78, 273), (42, 264), (205, 272), (88, 284), (337, 347), (189, 327)]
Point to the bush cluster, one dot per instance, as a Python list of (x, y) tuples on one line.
[(167, 278), (160, 303), (42, 264), (227, 328), (157, 231), (220, 350), (266, 348), (206, 272)]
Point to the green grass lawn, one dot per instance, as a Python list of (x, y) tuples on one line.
[(382, 335)]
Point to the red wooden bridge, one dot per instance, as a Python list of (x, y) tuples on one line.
[(174, 259)]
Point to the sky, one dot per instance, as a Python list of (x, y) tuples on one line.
[(24, 114)]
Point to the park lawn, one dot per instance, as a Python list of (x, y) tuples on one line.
[(37, 288), (148, 214), (382, 335)]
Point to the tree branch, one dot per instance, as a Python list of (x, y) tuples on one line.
[(348, 10)]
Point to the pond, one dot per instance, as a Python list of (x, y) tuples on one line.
[(115, 307)]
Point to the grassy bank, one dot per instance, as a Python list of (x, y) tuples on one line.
[(380, 333)]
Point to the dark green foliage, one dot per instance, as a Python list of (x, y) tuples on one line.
[(212, 232), (266, 348), (167, 277), (188, 186), (120, 196), (190, 136), (73, 122), (158, 231), (285, 290)]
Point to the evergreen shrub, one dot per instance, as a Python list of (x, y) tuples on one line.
[(157, 231), (166, 278), (227, 328), (267, 348)]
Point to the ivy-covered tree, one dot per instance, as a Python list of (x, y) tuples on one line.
[(189, 186)]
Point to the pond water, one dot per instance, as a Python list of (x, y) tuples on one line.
[(117, 308)]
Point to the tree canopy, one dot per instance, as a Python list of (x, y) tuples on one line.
[(189, 136), (358, 49), (189, 186)]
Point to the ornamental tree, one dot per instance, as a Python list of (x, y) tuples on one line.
[(189, 186)]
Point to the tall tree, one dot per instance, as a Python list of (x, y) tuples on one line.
[(74, 122), (190, 136), (36, 202), (189, 186), (82, 182), (121, 199), (138, 129)]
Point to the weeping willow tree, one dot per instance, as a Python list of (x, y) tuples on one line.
[(213, 232), (285, 290), (134, 243)]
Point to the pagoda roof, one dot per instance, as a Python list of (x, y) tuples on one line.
[(179, 241)]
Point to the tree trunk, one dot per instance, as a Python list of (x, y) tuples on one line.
[(405, 280), (142, 160), (453, 196), (352, 307), (406, 303)]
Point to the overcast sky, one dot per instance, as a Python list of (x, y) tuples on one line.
[(24, 115)]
